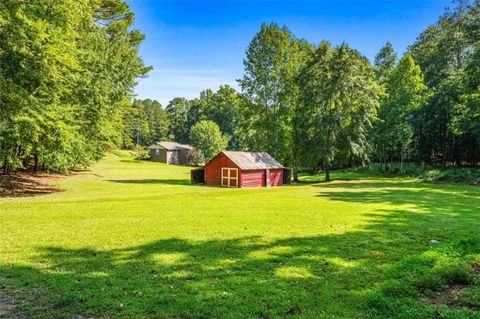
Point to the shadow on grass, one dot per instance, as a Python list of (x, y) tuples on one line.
[(322, 181), (250, 277), (427, 198), (152, 181), (135, 160), (25, 184)]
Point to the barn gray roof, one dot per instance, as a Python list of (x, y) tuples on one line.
[(252, 160), (171, 146)]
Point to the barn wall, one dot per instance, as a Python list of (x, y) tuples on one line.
[(253, 178), (164, 156), (160, 157), (179, 157), (183, 157), (172, 157), (275, 177), (154, 156), (213, 169)]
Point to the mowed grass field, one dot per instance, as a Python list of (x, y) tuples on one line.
[(133, 239)]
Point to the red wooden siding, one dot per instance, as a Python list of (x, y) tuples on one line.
[(253, 178), (275, 177), (213, 170), (236, 177)]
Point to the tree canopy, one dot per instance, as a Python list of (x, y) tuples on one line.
[(339, 100), (67, 70), (448, 54), (206, 137)]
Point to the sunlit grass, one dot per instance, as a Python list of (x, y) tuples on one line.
[(133, 239)]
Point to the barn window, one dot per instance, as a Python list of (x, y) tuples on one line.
[(157, 152), (229, 177)]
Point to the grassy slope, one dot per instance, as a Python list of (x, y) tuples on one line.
[(134, 239)]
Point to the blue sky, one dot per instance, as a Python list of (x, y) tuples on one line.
[(194, 45)]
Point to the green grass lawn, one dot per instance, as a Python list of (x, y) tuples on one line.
[(133, 239)]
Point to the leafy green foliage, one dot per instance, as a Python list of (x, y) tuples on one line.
[(431, 174), (447, 52), (145, 123), (385, 62), (67, 70), (178, 110), (140, 152), (225, 108), (206, 137), (273, 60), (406, 93), (338, 102)]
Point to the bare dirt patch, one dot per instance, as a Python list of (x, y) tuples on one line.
[(452, 296), (476, 268), (23, 184), (8, 307)]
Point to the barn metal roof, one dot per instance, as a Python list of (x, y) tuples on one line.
[(253, 160), (171, 146)]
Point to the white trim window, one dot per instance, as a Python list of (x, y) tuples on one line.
[(229, 177), (157, 152)]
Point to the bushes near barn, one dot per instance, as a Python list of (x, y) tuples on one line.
[(431, 174), (140, 152)]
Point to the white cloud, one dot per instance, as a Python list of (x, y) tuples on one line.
[(163, 84)]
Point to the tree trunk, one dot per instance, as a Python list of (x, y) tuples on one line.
[(35, 163), (5, 166), (295, 165), (403, 150), (384, 159), (295, 171), (456, 154), (445, 150), (327, 171), (401, 160)]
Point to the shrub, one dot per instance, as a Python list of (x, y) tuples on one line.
[(431, 174), (140, 152)]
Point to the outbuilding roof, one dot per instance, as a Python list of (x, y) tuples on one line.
[(171, 146), (252, 160)]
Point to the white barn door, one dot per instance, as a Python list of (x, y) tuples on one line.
[(229, 177)]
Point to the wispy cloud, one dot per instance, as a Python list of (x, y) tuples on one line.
[(163, 84)]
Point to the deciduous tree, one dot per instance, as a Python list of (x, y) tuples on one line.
[(206, 137), (272, 64), (338, 101)]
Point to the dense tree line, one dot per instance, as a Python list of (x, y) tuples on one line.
[(67, 69), (147, 121), (320, 106), (144, 123), (431, 110), (446, 127)]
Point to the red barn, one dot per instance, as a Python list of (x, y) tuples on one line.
[(242, 169)]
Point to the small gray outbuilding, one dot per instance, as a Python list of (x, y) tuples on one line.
[(170, 152)]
